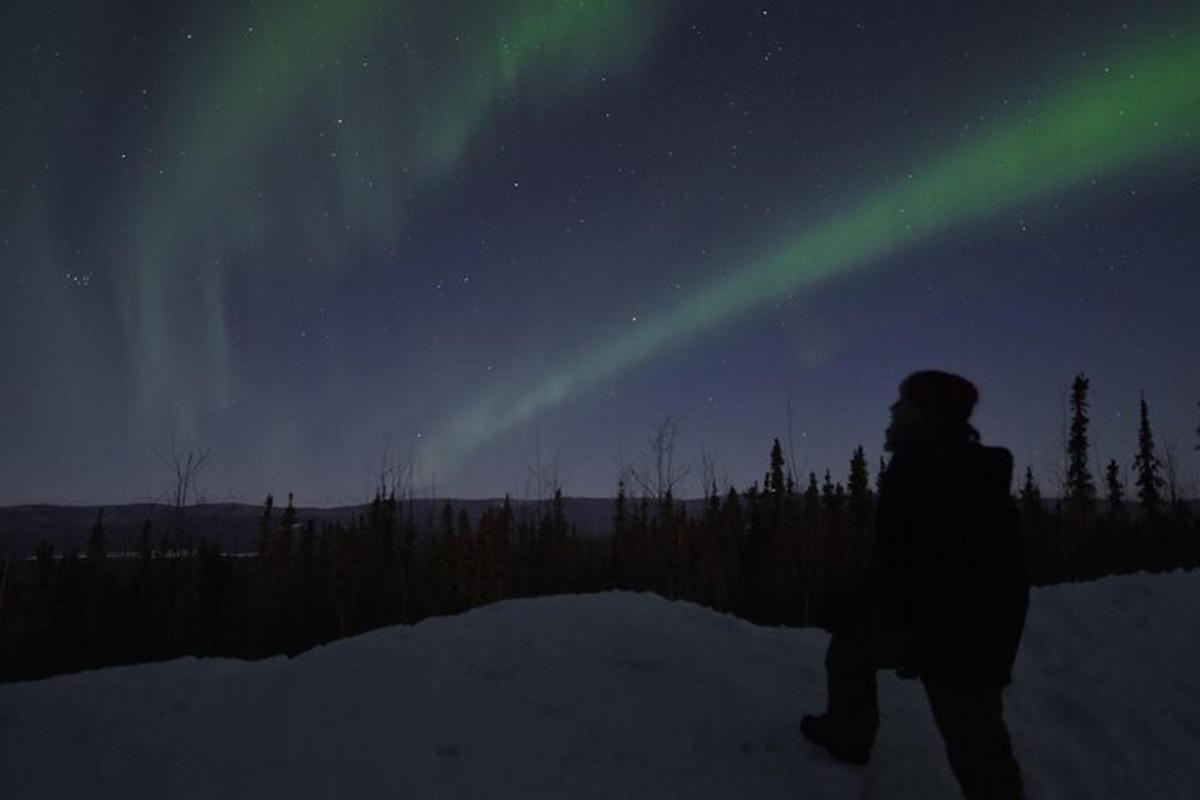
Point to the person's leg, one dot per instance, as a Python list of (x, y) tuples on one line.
[(848, 727), (850, 679), (970, 717)]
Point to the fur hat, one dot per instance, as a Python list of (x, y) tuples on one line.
[(948, 398)]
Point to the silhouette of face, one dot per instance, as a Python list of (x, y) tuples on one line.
[(905, 418)]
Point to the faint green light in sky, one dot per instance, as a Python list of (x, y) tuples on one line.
[(403, 91), (1145, 107)]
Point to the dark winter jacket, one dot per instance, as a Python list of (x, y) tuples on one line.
[(948, 587)]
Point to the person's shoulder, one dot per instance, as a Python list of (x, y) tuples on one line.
[(994, 463), (993, 454)]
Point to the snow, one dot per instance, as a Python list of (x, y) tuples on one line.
[(611, 695)]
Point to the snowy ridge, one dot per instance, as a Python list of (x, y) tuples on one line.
[(610, 695)]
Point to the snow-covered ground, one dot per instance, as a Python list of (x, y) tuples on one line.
[(612, 695)]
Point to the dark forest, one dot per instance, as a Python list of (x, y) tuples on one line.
[(772, 553)]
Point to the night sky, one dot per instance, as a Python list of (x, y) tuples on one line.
[(507, 237)]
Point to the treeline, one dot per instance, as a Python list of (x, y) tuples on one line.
[(771, 554), (1084, 537)]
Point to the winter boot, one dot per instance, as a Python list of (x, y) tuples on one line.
[(820, 730)]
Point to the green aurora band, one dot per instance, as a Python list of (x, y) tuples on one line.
[(414, 84), (1145, 108)]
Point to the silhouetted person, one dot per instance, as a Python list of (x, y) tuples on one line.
[(945, 595)]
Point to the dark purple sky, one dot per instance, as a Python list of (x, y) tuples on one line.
[(506, 238)]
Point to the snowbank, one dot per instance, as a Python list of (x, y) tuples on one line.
[(610, 695)]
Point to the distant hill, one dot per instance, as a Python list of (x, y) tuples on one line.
[(234, 525)]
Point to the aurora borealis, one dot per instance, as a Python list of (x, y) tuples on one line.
[(497, 233)]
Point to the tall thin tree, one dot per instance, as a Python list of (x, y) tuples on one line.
[(1147, 466), (1081, 491), (1116, 490), (858, 490), (775, 482), (1030, 494)]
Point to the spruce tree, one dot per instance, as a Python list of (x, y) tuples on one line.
[(775, 480), (462, 561), (1080, 489), (729, 534), (264, 529), (828, 502), (812, 497), (858, 490), (287, 524), (438, 573), (146, 543), (1147, 466), (811, 514), (1034, 529), (265, 624), (97, 550), (1030, 495), (44, 564), (95, 607), (1116, 491), (310, 594)]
